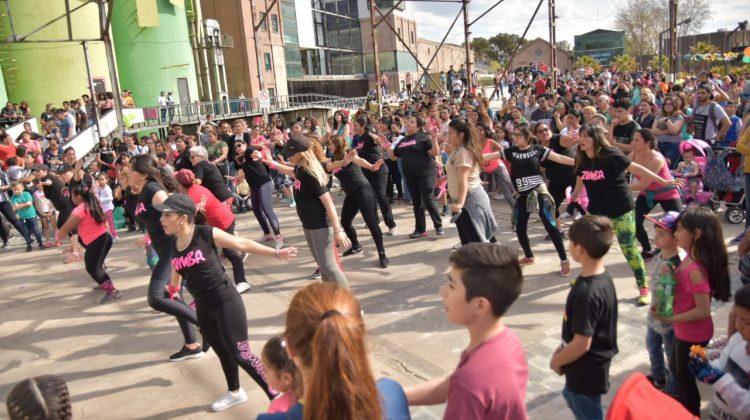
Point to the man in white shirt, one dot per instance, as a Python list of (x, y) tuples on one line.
[(163, 106)]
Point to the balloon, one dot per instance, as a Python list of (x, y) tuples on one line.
[(747, 52), (746, 59)]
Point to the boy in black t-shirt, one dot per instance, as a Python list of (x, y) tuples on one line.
[(589, 329)]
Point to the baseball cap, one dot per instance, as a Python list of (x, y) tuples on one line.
[(296, 143), (41, 167), (668, 221), (177, 203)]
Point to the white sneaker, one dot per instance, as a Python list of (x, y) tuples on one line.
[(578, 216), (498, 197), (565, 215), (229, 399), (243, 287), (392, 231)]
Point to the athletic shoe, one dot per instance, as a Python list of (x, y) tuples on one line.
[(565, 268), (645, 297), (29, 248), (58, 244), (266, 238), (279, 241), (392, 231), (110, 296), (243, 287), (649, 254), (498, 197), (48, 244), (5, 245), (440, 231), (353, 250), (293, 204), (72, 258), (384, 262), (737, 239), (316, 274), (229, 399), (41, 246), (415, 235), (186, 353)]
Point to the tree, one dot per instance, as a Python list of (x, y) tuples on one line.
[(656, 64), (588, 61), (704, 48), (483, 51), (643, 20), (505, 44), (625, 63), (563, 46)]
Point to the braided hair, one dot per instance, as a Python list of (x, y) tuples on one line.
[(43, 397)]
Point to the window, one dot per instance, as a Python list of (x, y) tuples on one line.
[(272, 92), (275, 23), (267, 60), (411, 36), (263, 23)]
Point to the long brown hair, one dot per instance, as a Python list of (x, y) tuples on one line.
[(471, 140), (600, 143), (341, 147), (146, 165), (325, 329)]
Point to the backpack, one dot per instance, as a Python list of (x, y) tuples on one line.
[(716, 175)]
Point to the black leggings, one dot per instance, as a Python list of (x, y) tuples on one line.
[(379, 181), (261, 199), (363, 201), (557, 191), (689, 396), (394, 179), (235, 257), (467, 233), (224, 324), (642, 209), (96, 253), (158, 298), (548, 220), (10, 214), (420, 187)]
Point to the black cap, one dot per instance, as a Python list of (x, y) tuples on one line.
[(177, 203), (41, 167), (296, 143), (65, 167)]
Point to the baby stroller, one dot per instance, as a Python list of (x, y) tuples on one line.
[(723, 177), (691, 170)]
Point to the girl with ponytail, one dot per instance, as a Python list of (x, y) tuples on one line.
[(326, 339), (93, 234)]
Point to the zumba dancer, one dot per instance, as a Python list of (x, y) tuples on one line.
[(345, 165), (94, 235), (146, 178), (314, 206), (217, 215), (526, 159), (369, 149), (261, 192), (209, 176), (220, 310), (601, 168)]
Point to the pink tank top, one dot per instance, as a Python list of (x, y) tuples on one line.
[(693, 331), (491, 165), (663, 193)]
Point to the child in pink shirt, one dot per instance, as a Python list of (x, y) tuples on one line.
[(703, 274), (281, 374)]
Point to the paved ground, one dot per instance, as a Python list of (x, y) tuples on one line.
[(114, 356)]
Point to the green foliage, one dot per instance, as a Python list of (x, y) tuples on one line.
[(656, 64), (588, 61), (625, 63)]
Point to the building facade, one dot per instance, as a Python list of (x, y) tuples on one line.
[(538, 52)]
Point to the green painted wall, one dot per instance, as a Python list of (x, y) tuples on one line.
[(151, 60), (49, 72), (3, 91)]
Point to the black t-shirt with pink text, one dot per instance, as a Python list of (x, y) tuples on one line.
[(147, 215), (606, 183), (307, 191), (199, 264)]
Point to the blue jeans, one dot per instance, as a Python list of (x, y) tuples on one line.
[(671, 151), (583, 406), (407, 195), (32, 228), (659, 345), (747, 199)]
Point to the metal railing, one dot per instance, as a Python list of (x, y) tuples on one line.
[(240, 107)]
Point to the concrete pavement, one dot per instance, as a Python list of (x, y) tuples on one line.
[(114, 356)]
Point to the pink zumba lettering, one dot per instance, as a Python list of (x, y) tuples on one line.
[(407, 144), (188, 260), (597, 175), (297, 184), (140, 209), (255, 361)]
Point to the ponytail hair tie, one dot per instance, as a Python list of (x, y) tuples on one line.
[(330, 313)]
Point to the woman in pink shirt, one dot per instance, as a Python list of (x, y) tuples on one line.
[(94, 235)]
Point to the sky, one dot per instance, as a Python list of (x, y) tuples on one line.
[(575, 17)]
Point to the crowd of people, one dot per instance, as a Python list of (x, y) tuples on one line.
[(601, 150)]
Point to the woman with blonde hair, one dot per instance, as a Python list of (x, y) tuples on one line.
[(327, 340), (314, 206)]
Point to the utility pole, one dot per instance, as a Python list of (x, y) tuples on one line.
[(553, 42), (375, 58), (90, 83), (467, 40), (105, 19), (673, 37)]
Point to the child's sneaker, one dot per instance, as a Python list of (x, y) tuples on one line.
[(645, 297), (111, 296), (229, 399)]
